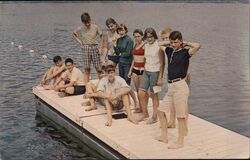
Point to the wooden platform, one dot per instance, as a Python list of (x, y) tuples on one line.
[(204, 140)]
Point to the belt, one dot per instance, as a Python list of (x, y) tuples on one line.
[(175, 80)]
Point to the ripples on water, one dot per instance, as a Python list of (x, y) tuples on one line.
[(220, 70)]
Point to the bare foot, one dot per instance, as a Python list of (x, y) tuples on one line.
[(108, 123), (151, 121), (85, 103), (137, 110), (47, 87), (176, 145), (133, 120), (141, 117), (90, 108), (85, 96), (171, 125), (164, 140)]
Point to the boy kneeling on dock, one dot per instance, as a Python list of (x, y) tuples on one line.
[(115, 92)]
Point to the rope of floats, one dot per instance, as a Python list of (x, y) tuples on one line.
[(20, 47)]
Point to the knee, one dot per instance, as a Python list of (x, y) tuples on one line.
[(141, 93), (69, 90), (160, 113)]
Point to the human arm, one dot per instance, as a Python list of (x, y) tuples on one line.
[(128, 49), (164, 43), (130, 70), (46, 75), (162, 66), (194, 47), (76, 37), (105, 44), (122, 91), (56, 72)]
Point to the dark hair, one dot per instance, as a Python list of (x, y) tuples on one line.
[(138, 31), (175, 35), (57, 59), (151, 31), (110, 20), (69, 60), (109, 68), (121, 27), (85, 17)]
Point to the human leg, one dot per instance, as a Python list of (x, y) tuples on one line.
[(153, 77), (143, 95), (181, 107), (164, 129), (171, 123), (125, 99), (90, 88), (143, 101), (155, 99), (86, 75), (109, 112)]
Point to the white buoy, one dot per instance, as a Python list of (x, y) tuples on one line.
[(12, 43), (45, 57), (20, 46)]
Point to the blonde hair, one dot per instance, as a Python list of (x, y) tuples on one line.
[(165, 30)]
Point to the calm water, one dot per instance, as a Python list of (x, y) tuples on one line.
[(220, 71)]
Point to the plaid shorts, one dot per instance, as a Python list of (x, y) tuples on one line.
[(91, 53)]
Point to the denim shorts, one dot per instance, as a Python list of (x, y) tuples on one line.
[(149, 79)]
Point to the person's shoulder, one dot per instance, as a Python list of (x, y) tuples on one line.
[(103, 79), (94, 25), (168, 49)]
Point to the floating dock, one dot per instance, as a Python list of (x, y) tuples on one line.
[(125, 140)]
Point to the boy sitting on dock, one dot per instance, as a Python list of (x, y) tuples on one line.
[(115, 92), (71, 81), (91, 92), (51, 76)]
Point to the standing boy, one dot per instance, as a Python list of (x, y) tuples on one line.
[(178, 90), (86, 36)]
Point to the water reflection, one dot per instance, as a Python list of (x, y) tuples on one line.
[(75, 148)]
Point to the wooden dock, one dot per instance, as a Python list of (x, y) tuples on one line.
[(127, 140)]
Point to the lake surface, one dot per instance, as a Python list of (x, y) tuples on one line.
[(219, 90)]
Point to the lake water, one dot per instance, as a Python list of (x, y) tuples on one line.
[(219, 90)]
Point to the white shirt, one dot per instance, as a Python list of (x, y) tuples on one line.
[(152, 62), (76, 76), (114, 87)]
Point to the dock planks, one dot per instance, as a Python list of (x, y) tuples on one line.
[(204, 140)]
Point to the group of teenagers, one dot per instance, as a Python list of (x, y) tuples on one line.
[(142, 60)]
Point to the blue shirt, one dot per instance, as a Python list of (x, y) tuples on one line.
[(178, 63)]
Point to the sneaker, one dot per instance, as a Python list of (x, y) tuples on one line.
[(62, 94)]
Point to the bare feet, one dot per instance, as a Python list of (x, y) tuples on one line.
[(108, 123), (176, 145), (164, 140), (171, 125), (141, 117), (86, 96), (151, 121), (90, 108), (85, 103), (48, 87), (137, 110), (133, 120)]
